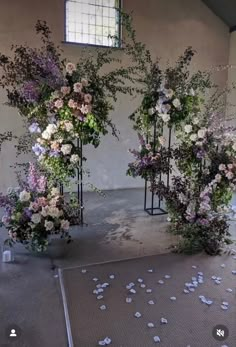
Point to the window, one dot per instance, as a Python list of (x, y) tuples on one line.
[(92, 21)]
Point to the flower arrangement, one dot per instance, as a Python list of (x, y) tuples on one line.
[(34, 212), (150, 161), (62, 102)]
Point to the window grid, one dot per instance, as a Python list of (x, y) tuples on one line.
[(92, 21)]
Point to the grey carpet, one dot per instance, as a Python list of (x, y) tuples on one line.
[(190, 322)]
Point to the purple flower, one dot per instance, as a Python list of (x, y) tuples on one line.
[(203, 221), (30, 91), (54, 153), (34, 128), (42, 183), (38, 149), (27, 213), (32, 178)]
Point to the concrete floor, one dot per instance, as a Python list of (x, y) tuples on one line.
[(30, 298)]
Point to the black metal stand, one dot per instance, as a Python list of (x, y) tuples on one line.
[(156, 210), (79, 183)]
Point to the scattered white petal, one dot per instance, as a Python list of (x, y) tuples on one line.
[(96, 292), (128, 300), (214, 277), (148, 290), (224, 346), (100, 290), (156, 339), (137, 315), (95, 279), (164, 321), (234, 272), (167, 276), (140, 280), (102, 343), (173, 298), (192, 290), (83, 271), (200, 273), (186, 291), (55, 276), (217, 282), (112, 277), (195, 284), (222, 265), (219, 279), (104, 285), (209, 302), (224, 307), (98, 286), (133, 291), (194, 278), (161, 282), (225, 303), (194, 266), (99, 297), (151, 302), (107, 340), (229, 290), (150, 325), (103, 307), (150, 270), (143, 285)]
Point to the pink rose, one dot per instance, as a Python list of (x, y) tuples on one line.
[(72, 104), (78, 87), (58, 103), (42, 201), (85, 109), (70, 68), (88, 98), (84, 82), (65, 90)]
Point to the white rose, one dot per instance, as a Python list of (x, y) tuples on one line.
[(55, 191), (46, 135), (188, 128), (193, 137), (151, 111), (36, 218), (222, 167), (65, 224), (230, 175), (165, 117), (66, 149), (201, 133), (45, 211), (234, 146), (176, 103), (54, 212), (48, 225), (74, 158), (195, 121), (230, 166), (69, 126), (24, 196), (51, 129)]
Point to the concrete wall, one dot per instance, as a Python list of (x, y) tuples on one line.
[(166, 26), (231, 101)]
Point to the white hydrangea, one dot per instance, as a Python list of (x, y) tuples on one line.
[(196, 121), (66, 149), (51, 129), (234, 146), (36, 218), (168, 93), (74, 158), (165, 117), (192, 92), (222, 167), (24, 196), (188, 128), (54, 212), (46, 135)]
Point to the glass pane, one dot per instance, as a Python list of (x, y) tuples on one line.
[(92, 21)]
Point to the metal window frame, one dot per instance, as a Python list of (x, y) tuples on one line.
[(119, 46)]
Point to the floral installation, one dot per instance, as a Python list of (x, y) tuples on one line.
[(61, 101), (33, 212)]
